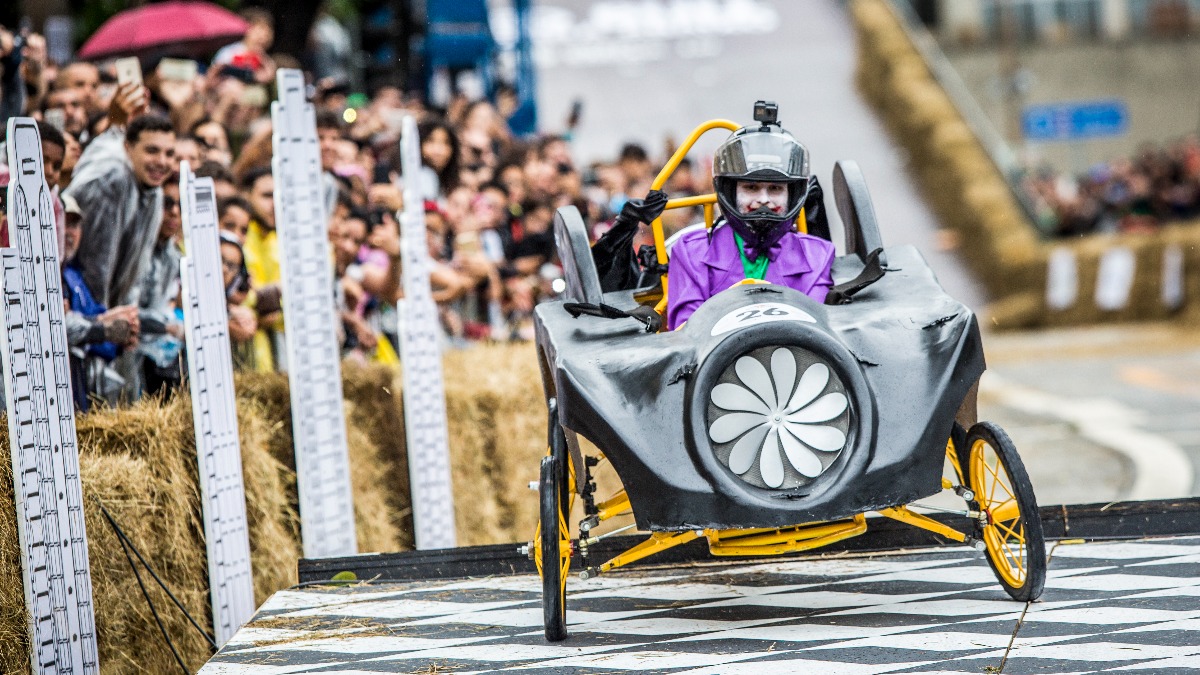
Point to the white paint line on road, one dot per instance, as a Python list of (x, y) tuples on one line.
[(1163, 468)]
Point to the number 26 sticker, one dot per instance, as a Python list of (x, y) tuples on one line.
[(763, 312)]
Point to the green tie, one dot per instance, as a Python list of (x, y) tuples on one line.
[(756, 269)]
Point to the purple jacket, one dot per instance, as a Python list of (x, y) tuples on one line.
[(699, 269)]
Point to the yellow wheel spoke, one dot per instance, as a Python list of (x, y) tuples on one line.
[(991, 498), (1012, 532), (1003, 483), (1017, 569)]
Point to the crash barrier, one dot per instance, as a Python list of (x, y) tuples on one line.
[(421, 352), (140, 464), (51, 538), (210, 383), (326, 500), (1098, 278)]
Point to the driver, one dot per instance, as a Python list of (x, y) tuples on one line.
[(761, 178)]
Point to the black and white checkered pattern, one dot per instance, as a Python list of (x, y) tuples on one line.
[(1125, 606)]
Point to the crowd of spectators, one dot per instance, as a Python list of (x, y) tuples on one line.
[(1159, 186), (112, 153)]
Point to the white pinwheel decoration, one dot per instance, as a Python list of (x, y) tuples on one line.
[(769, 410)]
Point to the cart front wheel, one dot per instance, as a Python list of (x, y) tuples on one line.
[(555, 549), (1016, 547)]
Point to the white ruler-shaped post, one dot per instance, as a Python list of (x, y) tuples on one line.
[(313, 355), (421, 356), (41, 423), (214, 411)]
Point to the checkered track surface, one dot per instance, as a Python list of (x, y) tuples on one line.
[(1122, 606)]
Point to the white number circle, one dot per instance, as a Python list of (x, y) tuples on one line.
[(761, 312)]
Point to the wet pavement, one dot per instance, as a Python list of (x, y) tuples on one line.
[(1100, 413)]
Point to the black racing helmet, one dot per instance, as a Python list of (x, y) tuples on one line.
[(761, 152)]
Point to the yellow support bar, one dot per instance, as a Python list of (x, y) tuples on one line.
[(904, 515), (613, 506), (687, 202), (661, 179), (786, 540), (658, 541)]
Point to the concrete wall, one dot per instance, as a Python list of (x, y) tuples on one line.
[(1159, 81), (1086, 280)]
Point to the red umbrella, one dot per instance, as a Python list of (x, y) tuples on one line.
[(176, 26)]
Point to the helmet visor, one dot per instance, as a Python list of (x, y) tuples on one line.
[(764, 156)]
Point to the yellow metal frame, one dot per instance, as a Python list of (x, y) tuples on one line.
[(660, 244), (777, 541)]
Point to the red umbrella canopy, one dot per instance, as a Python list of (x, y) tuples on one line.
[(180, 26)]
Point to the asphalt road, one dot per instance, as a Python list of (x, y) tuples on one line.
[(1100, 413)]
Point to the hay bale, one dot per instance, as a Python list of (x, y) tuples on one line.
[(497, 422), (141, 464)]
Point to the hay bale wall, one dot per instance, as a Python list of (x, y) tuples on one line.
[(971, 196), (141, 464)]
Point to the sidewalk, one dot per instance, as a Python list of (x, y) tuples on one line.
[(1122, 605)]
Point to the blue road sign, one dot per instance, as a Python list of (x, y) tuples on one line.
[(1075, 121)]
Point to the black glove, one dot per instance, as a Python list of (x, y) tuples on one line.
[(616, 264), (644, 210)]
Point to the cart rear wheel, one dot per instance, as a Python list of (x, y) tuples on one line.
[(555, 549), (1016, 547)]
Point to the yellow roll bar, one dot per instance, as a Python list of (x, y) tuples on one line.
[(660, 244)]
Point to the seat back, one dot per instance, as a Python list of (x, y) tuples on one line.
[(575, 252), (858, 214)]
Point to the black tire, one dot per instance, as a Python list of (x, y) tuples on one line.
[(1016, 545), (550, 524)]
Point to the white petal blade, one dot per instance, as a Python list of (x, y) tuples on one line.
[(823, 438), (729, 427), (783, 369), (754, 375), (771, 464), (805, 461), (746, 450), (733, 397), (823, 409), (812, 383)]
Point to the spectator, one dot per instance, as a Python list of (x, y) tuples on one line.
[(84, 79), (247, 60), (53, 151), (329, 137), (439, 159), (95, 334), (187, 149), (1159, 186), (73, 106), (161, 336), (118, 184), (261, 249), (234, 214), (224, 186), (215, 138), (243, 323)]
